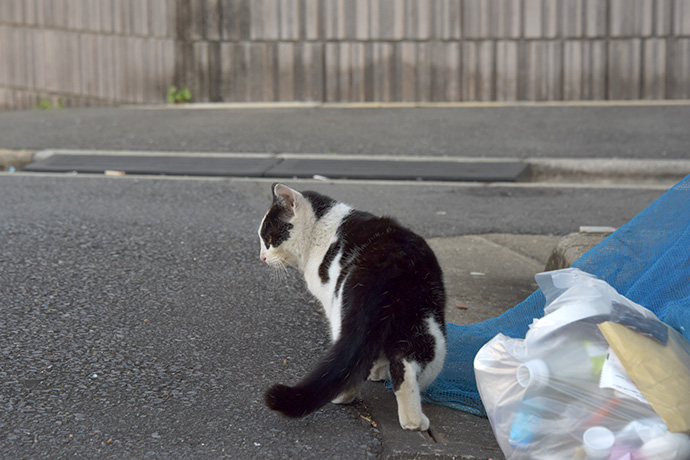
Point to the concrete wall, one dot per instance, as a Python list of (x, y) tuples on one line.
[(88, 52)]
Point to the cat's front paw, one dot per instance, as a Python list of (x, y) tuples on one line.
[(421, 424)]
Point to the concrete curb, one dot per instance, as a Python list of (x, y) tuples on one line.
[(541, 170), (607, 169), (573, 246), (280, 167), (15, 159)]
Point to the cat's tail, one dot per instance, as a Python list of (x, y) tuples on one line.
[(345, 365)]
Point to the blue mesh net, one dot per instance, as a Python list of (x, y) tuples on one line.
[(647, 260)]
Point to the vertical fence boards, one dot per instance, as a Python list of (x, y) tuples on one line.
[(85, 52), (506, 70), (624, 76), (679, 78)]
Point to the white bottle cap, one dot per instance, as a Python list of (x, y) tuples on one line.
[(598, 441), (533, 374)]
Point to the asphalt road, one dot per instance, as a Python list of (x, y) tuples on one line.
[(137, 320), (567, 131)]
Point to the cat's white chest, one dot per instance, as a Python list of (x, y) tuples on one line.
[(325, 292)]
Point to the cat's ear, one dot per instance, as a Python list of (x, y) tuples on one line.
[(286, 196)]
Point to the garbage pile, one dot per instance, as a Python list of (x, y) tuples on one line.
[(646, 260), (597, 377)]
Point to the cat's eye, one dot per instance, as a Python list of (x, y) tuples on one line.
[(270, 240)]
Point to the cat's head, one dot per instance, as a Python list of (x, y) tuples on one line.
[(284, 228)]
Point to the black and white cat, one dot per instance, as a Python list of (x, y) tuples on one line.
[(382, 290)]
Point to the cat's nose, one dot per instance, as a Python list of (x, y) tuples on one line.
[(263, 258)]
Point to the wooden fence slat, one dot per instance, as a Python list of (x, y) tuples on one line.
[(344, 74), (383, 71), (7, 53), (679, 75), (108, 64), (654, 69), (533, 18), (584, 70), (506, 70), (88, 67), (681, 18), (629, 18), (477, 70), (662, 18), (407, 75), (624, 69), (286, 72), (507, 19), (543, 80), (289, 20), (270, 72), (445, 18), (212, 20), (29, 17), (140, 17), (573, 70), (445, 72), (573, 18), (158, 16), (596, 25), (475, 19), (312, 83), (361, 20), (234, 68), (107, 24), (312, 19)]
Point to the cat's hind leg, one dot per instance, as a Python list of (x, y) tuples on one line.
[(349, 395), (404, 376), (379, 371), (433, 368)]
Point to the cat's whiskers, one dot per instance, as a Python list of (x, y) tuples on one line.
[(279, 270)]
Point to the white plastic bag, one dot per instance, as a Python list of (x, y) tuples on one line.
[(561, 393)]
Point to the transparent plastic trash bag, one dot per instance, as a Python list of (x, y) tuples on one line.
[(562, 392)]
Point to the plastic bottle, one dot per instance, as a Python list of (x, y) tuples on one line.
[(533, 374), (598, 442), (580, 365), (525, 426), (533, 417)]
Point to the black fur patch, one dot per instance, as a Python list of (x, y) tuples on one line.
[(397, 370), (321, 203), (327, 261), (275, 230)]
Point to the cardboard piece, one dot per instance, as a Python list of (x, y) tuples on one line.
[(661, 372)]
